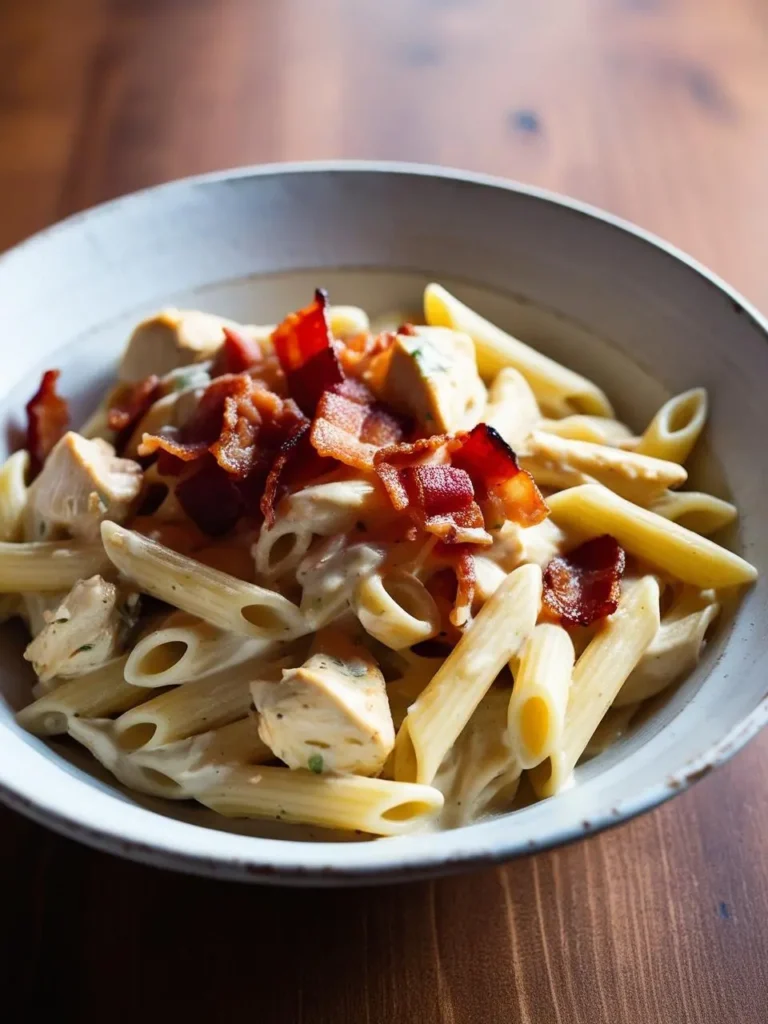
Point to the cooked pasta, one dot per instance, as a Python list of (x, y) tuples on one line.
[(368, 574)]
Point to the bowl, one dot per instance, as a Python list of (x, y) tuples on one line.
[(611, 301)]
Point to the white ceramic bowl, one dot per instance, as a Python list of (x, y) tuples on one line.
[(607, 299)]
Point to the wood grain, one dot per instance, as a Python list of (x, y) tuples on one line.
[(655, 109)]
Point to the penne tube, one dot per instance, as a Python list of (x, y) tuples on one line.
[(598, 677), (48, 565), (193, 708), (676, 427), (396, 609), (322, 510), (702, 513), (443, 709), (350, 802), (226, 602), (191, 763), (512, 408), (183, 649), (592, 510), (558, 390), (536, 713), (676, 648), (597, 429), (98, 694), (13, 495)]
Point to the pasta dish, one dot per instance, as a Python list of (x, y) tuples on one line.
[(377, 581)]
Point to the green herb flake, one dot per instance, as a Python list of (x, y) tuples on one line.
[(315, 764), (60, 622), (85, 647)]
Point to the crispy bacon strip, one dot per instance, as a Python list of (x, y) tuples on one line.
[(129, 404), (463, 564), (236, 355), (504, 489), (47, 420), (304, 346), (238, 421), (585, 585), (350, 427), (296, 463), (438, 497)]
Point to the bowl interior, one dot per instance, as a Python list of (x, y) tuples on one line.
[(605, 302)]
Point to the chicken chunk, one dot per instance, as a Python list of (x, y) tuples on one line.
[(83, 632), (330, 714), (82, 483), (432, 375), (174, 338)]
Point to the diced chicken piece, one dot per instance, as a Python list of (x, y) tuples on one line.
[(83, 632), (174, 338), (82, 483), (432, 375), (331, 714)]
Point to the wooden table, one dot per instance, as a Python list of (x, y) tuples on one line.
[(655, 109)]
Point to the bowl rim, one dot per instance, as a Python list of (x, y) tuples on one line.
[(447, 851)]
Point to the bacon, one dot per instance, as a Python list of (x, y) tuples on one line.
[(211, 499), (295, 463), (47, 421), (462, 562), (506, 490), (236, 354), (360, 353), (130, 402), (438, 497), (585, 585), (304, 346), (350, 427), (238, 421)]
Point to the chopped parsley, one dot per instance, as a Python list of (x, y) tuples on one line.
[(59, 622), (315, 764), (85, 647)]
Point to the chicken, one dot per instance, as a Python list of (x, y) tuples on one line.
[(331, 713), (83, 632), (174, 338), (432, 375), (82, 483)]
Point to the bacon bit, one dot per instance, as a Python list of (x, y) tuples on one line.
[(236, 355), (350, 427), (438, 497), (296, 462), (508, 491), (130, 402), (585, 585), (304, 346), (211, 499), (47, 421), (165, 443)]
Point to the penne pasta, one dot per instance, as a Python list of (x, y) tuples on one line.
[(342, 521), (536, 712), (183, 649), (350, 802), (396, 609), (193, 708), (222, 600), (13, 495), (559, 391), (598, 676), (676, 427), (665, 544), (512, 408), (440, 713), (48, 565), (701, 513), (98, 694)]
